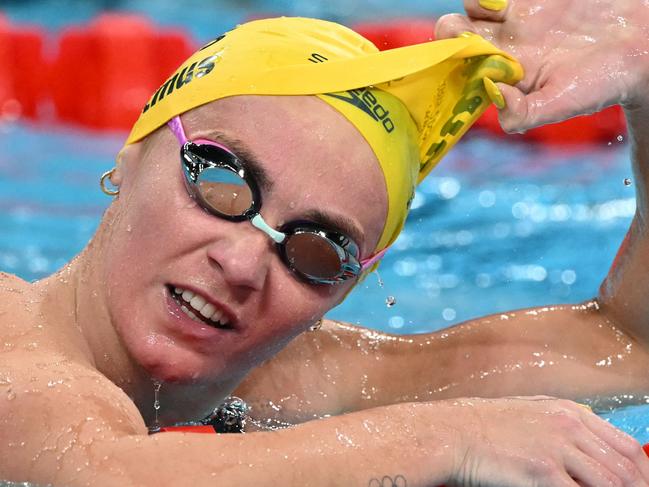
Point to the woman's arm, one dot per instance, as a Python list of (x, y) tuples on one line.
[(572, 352), (623, 293), (579, 57), (66, 424)]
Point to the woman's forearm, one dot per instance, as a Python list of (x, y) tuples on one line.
[(345, 451)]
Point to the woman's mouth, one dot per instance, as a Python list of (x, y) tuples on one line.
[(198, 309)]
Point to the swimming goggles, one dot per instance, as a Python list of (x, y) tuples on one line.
[(218, 181)]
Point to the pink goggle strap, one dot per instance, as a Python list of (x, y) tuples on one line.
[(176, 127), (370, 261)]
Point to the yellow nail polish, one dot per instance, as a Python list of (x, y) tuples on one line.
[(495, 5), (494, 93)]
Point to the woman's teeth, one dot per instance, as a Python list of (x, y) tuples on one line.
[(192, 305)]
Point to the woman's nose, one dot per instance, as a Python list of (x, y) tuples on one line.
[(244, 255)]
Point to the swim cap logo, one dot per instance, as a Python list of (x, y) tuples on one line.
[(183, 77), (364, 99)]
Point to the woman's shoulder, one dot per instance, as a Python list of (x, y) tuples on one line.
[(7, 279), (22, 315), (12, 291)]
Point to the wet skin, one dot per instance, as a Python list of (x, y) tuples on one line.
[(79, 349), (154, 236)]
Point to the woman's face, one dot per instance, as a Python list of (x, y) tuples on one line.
[(161, 239)]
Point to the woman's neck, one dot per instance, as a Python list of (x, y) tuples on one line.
[(74, 299)]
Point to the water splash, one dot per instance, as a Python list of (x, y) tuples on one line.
[(390, 301), (380, 280)]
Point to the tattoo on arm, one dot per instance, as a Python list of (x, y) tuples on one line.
[(386, 481)]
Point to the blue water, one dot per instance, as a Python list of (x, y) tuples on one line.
[(206, 19)]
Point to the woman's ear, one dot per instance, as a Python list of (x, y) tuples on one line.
[(123, 162)]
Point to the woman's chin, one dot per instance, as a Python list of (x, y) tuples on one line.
[(171, 364)]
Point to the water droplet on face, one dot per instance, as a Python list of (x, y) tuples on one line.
[(620, 138), (129, 229), (11, 395), (390, 301), (627, 182)]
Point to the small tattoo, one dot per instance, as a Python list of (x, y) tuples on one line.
[(398, 481)]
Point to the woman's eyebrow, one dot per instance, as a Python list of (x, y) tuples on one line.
[(247, 158), (339, 223)]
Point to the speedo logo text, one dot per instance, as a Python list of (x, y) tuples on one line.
[(364, 99)]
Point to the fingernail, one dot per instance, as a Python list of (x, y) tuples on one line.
[(494, 93), (495, 5)]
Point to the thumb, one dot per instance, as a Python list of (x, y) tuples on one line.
[(546, 105), (525, 111)]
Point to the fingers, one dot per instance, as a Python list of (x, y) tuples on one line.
[(495, 10), (522, 111), (611, 461), (452, 25), (629, 451), (603, 455), (590, 472)]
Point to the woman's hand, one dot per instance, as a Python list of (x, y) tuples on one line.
[(539, 441), (579, 55)]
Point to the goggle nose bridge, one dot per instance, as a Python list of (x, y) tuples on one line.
[(258, 222)]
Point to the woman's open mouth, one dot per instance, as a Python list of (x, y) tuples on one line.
[(198, 309)]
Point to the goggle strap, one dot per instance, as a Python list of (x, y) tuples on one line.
[(176, 127), (369, 262), (258, 222)]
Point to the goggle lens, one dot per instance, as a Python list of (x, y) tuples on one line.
[(313, 255), (225, 191), (219, 182)]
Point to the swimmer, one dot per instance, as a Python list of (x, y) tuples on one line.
[(305, 174)]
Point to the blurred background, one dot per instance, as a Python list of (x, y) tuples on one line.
[(206, 19)]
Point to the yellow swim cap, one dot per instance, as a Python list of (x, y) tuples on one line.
[(411, 104)]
